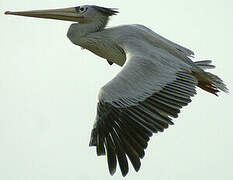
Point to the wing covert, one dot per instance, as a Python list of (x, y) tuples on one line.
[(139, 101)]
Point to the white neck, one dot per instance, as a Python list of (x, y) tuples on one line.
[(77, 30)]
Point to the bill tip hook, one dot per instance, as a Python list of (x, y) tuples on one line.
[(7, 12)]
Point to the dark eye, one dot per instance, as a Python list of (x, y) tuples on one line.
[(81, 9)]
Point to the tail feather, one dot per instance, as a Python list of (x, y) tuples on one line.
[(205, 64), (208, 81)]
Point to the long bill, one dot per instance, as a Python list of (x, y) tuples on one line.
[(67, 14)]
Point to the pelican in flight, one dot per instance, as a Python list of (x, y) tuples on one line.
[(157, 80)]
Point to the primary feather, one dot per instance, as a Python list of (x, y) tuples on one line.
[(157, 80)]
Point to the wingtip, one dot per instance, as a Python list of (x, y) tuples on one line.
[(138, 167), (93, 139), (92, 142), (112, 172), (123, 175)]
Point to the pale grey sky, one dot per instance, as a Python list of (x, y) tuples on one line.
[(49, 87)]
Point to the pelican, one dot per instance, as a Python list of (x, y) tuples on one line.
[(157, 80)]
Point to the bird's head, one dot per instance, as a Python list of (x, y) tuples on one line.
[(82, 14)]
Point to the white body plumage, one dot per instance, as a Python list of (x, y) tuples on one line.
[(157, 80)]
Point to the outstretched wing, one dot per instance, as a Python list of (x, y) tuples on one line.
[(138, 102)]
